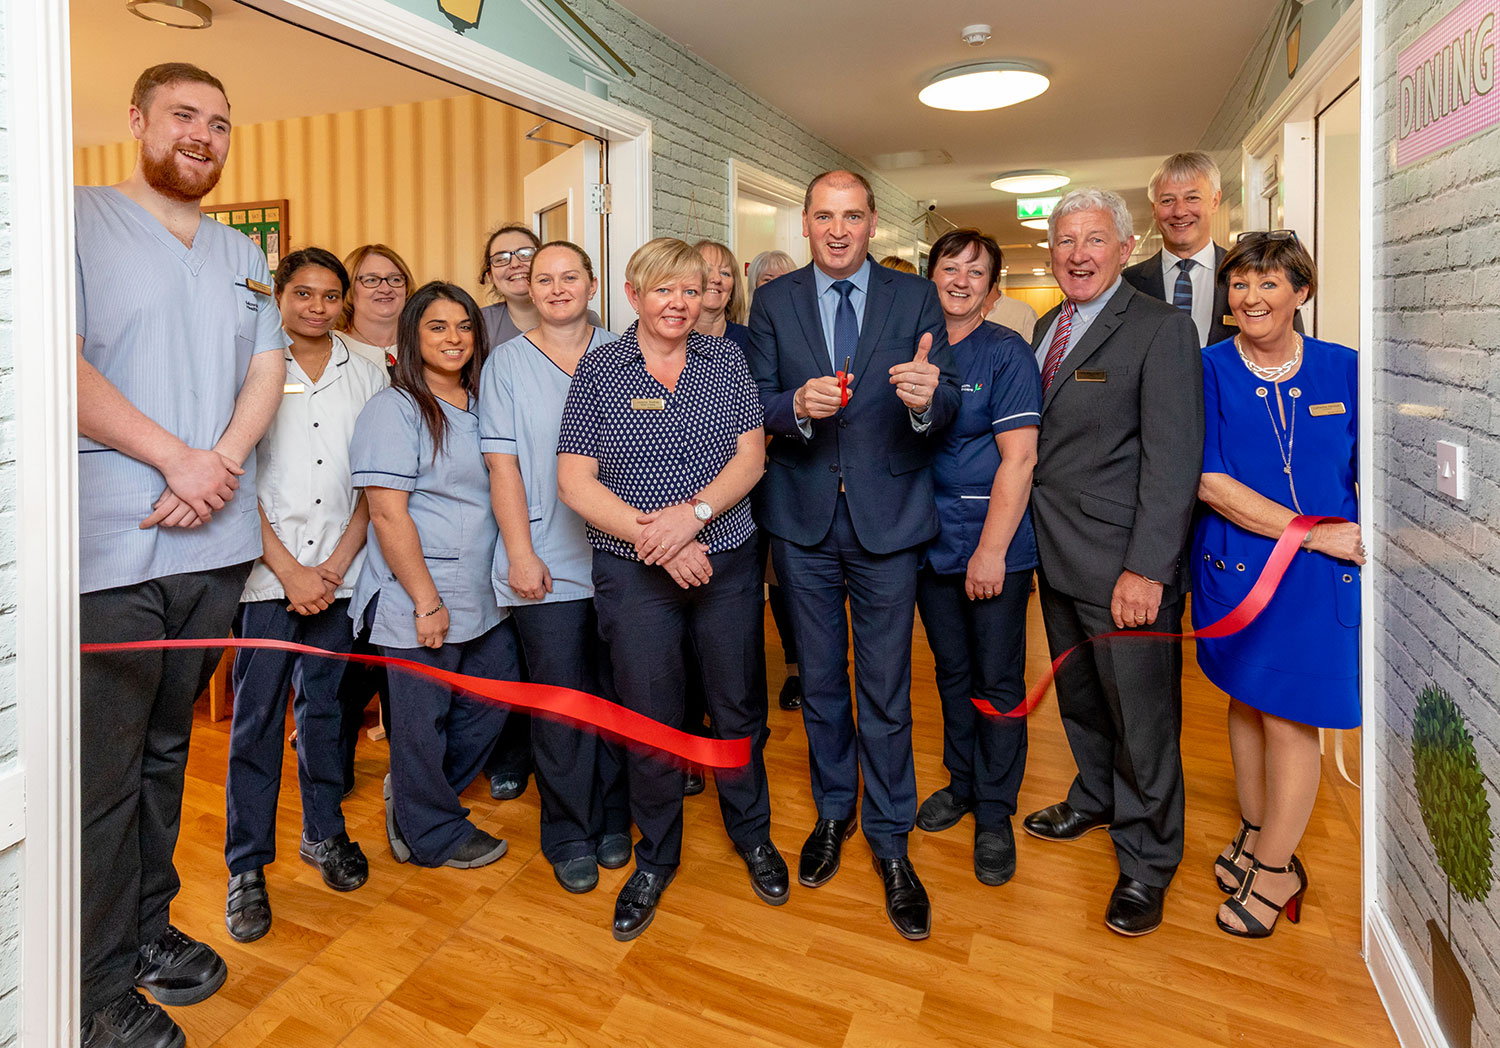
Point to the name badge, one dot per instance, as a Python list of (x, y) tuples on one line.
[(647, 404), (1229, 321), (294, 387), (1090, 376), (258, 287), (1326, 409)]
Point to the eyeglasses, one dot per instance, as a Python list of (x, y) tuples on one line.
[(1262, 234), (501, 259), (370, 280)]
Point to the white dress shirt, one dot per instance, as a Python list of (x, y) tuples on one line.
[(1203, 286), (1083, 315)]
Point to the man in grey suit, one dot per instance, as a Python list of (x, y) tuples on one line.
[(1119, 457)]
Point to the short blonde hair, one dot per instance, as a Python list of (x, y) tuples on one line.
[(898, 263), (662, 261), (738, 308)]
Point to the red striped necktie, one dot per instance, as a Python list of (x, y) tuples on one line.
[(1059, 347)]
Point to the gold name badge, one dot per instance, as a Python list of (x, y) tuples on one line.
[(1229, 320), (257, 286), (294, 387), (1090, 376), (647, 404), (1326, 409)]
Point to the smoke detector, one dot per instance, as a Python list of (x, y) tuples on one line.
[(975, 35)]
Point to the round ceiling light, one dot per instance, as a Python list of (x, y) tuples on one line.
[(1021, 182), (984, 85), (178, 14), (1035, 223)]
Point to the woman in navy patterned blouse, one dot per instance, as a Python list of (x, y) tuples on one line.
[(661, 443)]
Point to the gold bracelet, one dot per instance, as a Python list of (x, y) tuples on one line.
[(428, 614)]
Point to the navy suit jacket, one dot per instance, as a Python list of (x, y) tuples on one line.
[(869, 445), (1146, 277)]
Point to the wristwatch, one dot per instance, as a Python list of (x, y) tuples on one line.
[(702, 510)]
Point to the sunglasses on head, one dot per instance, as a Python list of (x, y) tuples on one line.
[(1254, 235)]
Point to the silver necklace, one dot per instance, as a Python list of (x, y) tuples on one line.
[(1284, 451), (1277, 372)]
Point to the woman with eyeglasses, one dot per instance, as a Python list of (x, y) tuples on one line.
[(379, 282), (1280, 441), (506, 268)]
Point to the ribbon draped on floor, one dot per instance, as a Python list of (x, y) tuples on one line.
[(591, 711)]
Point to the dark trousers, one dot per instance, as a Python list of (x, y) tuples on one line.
[(561, 645), (644, 617), (135, 720), (442, 738), (361, 681), (261, 681), (780, 613), (979, 647), (881, 590), (1121, 707)]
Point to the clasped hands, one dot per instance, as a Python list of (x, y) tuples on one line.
[(200, 482), (309, 589), (668, 539), (915, 384)]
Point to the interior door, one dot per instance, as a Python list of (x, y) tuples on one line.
[(564, 198), (1336, 308)]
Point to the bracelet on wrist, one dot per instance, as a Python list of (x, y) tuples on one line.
[(428, 614)]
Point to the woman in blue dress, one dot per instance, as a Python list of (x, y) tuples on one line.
[(975, 578), (1280, 441)]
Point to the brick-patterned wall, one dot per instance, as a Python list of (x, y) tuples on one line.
[(1436, 261), (10, 866), (701, 118)]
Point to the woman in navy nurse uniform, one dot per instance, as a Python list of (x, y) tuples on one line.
[(975, 578), (425, 590), (1280, 441)]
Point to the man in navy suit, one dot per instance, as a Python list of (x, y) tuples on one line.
[(848, 501)]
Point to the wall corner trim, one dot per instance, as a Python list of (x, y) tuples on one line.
[(12, 807), (1399, 986)]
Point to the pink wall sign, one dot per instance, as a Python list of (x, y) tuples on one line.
[(1447, 80)]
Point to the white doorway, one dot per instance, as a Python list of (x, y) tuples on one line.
[(1337, 236), (767, 214)]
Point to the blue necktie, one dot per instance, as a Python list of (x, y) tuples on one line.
[(1182, 293), (845, 325)]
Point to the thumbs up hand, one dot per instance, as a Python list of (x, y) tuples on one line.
[(915, 382)]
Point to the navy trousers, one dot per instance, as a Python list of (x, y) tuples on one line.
[(252, 787), (979, 647), (561, 646), (882, 591), (644, 617), (442, 738)]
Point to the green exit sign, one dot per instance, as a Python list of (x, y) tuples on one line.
[(1036, 207)]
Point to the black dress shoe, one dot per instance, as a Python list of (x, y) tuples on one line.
[(178, 970), (480, 849), (131, 1021), (1134, 907), (905, 899), (791, 694), (693, 783), (768, 873), (613, 850), (995, 854), (247, 907), (635, 906), (507, 785), (1063, 822), (338, 859), (579, 875), (942, 811), (821, 853)]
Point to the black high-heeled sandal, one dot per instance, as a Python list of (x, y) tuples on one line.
[(1253, 928), (1231, 864)]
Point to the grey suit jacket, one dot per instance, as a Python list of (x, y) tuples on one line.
[(1120, 450)]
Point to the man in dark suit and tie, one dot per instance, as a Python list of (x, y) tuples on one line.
[(1184, 195), (1118, 461), (848, 501)]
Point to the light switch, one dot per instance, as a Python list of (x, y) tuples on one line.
[(1452, 469)]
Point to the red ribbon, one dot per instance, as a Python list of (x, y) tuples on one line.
[(578, 707), (1245, 613)]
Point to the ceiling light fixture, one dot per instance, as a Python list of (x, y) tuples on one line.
[(1037, 272), (178, 14), (984, 85), (1023, 182), (1035, 223)]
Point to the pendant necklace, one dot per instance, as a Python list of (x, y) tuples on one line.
[(1274, 375)]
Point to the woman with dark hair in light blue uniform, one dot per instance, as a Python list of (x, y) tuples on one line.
[(976, 575), (425, 590)]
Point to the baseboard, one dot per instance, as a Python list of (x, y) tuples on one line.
[(1399, 986)]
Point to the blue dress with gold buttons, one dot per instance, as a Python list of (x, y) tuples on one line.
[(1294, 442)]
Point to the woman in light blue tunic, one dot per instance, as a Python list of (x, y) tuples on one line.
[(424, 592)]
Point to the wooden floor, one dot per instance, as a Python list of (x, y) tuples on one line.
[(502, 956)]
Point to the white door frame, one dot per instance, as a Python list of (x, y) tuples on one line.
[(746, 176), (43, 818)]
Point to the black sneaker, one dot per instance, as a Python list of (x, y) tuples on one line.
[(399, 849), (177, 970), (480, 849), (995, 854), (942, 811), (131, 1021)]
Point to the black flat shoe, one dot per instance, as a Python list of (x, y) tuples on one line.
[(131, 1021), (1134, 907), (507, 785), (768, 873), (905, 899), (578, 876), (822, 850), (791, 694), (177, 970), (247, 906), (693, 782), (480, 849), (1062, 822), (635, 906), (942, 811), (338, 859), (613, 850), (995, 855)]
